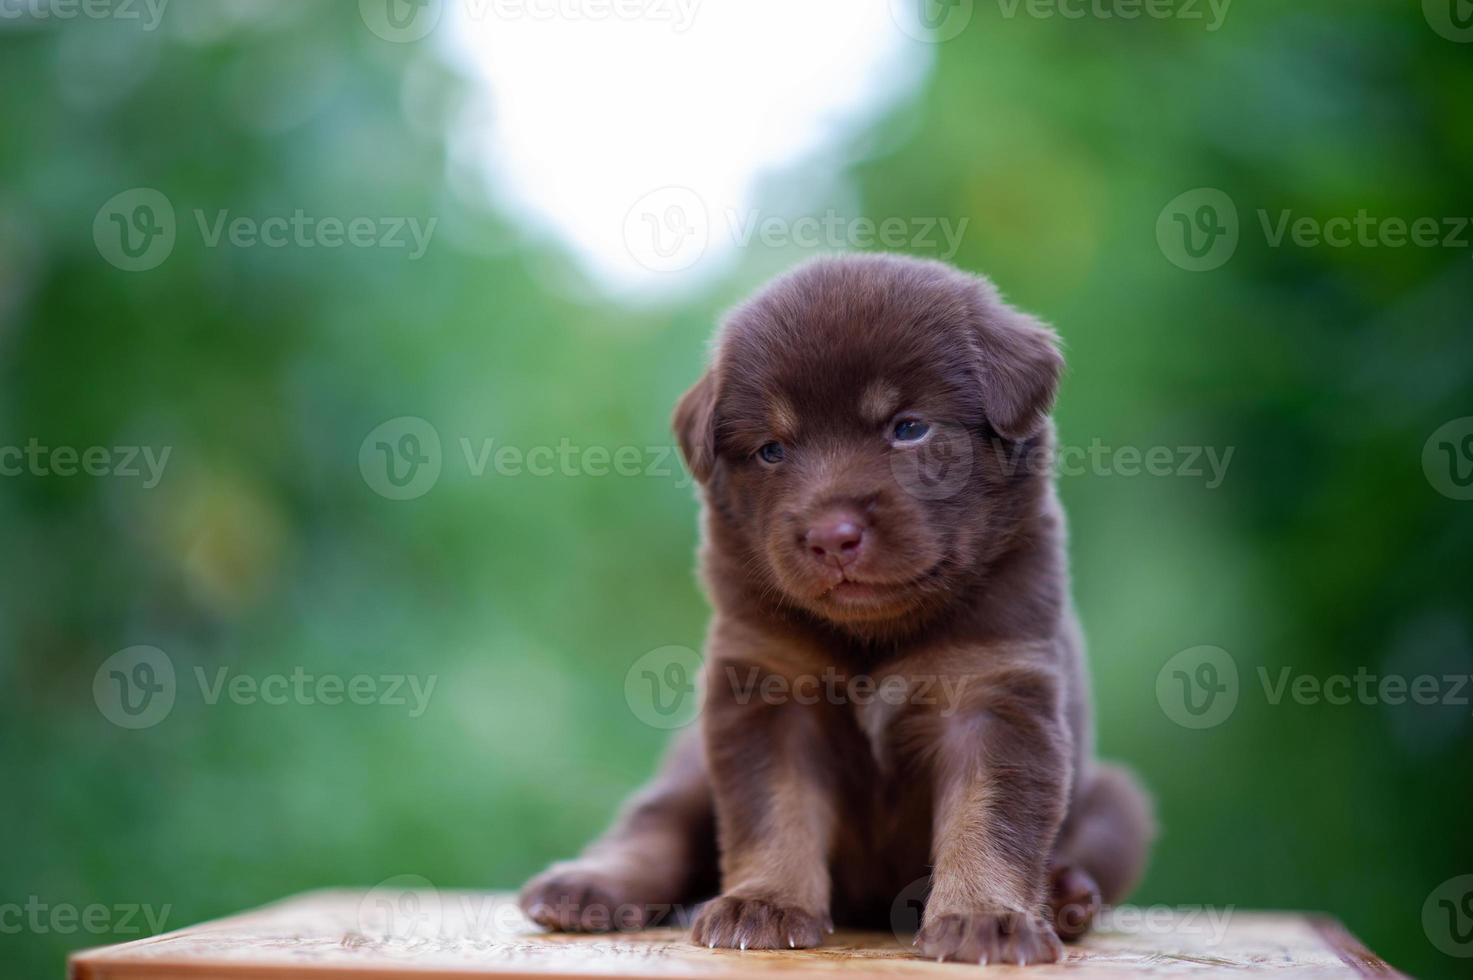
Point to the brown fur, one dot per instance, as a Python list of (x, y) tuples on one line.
[(838, 561)]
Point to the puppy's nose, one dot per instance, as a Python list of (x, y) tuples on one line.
[(836, 537)]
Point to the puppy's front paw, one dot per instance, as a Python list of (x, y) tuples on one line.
[(752, 923), (989, 937), (571, 897)]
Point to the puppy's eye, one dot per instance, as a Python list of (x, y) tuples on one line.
[(771, 453), (911, 430)]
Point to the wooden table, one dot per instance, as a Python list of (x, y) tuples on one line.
[(437, 935)]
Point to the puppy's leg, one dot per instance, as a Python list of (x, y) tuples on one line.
[(1002, 776), (654, 857), (775, 818), (1102, 848)]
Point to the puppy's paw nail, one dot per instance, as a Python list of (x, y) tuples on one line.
[(755, 923)]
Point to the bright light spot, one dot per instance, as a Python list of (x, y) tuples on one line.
[(639, 140)]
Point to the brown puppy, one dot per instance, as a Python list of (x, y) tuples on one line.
[(895, 700)]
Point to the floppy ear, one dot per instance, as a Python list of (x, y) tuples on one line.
[(1020, 368), (695, 426)]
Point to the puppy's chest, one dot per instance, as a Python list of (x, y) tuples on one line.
[(878, 722), (894, 719)]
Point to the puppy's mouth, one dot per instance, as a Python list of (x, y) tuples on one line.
[(845, 588)]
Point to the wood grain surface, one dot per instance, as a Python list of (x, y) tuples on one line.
[(425, 935)]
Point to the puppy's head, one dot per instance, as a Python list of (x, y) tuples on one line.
[(862, 433)]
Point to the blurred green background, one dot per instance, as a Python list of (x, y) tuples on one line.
[(264, 550)]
